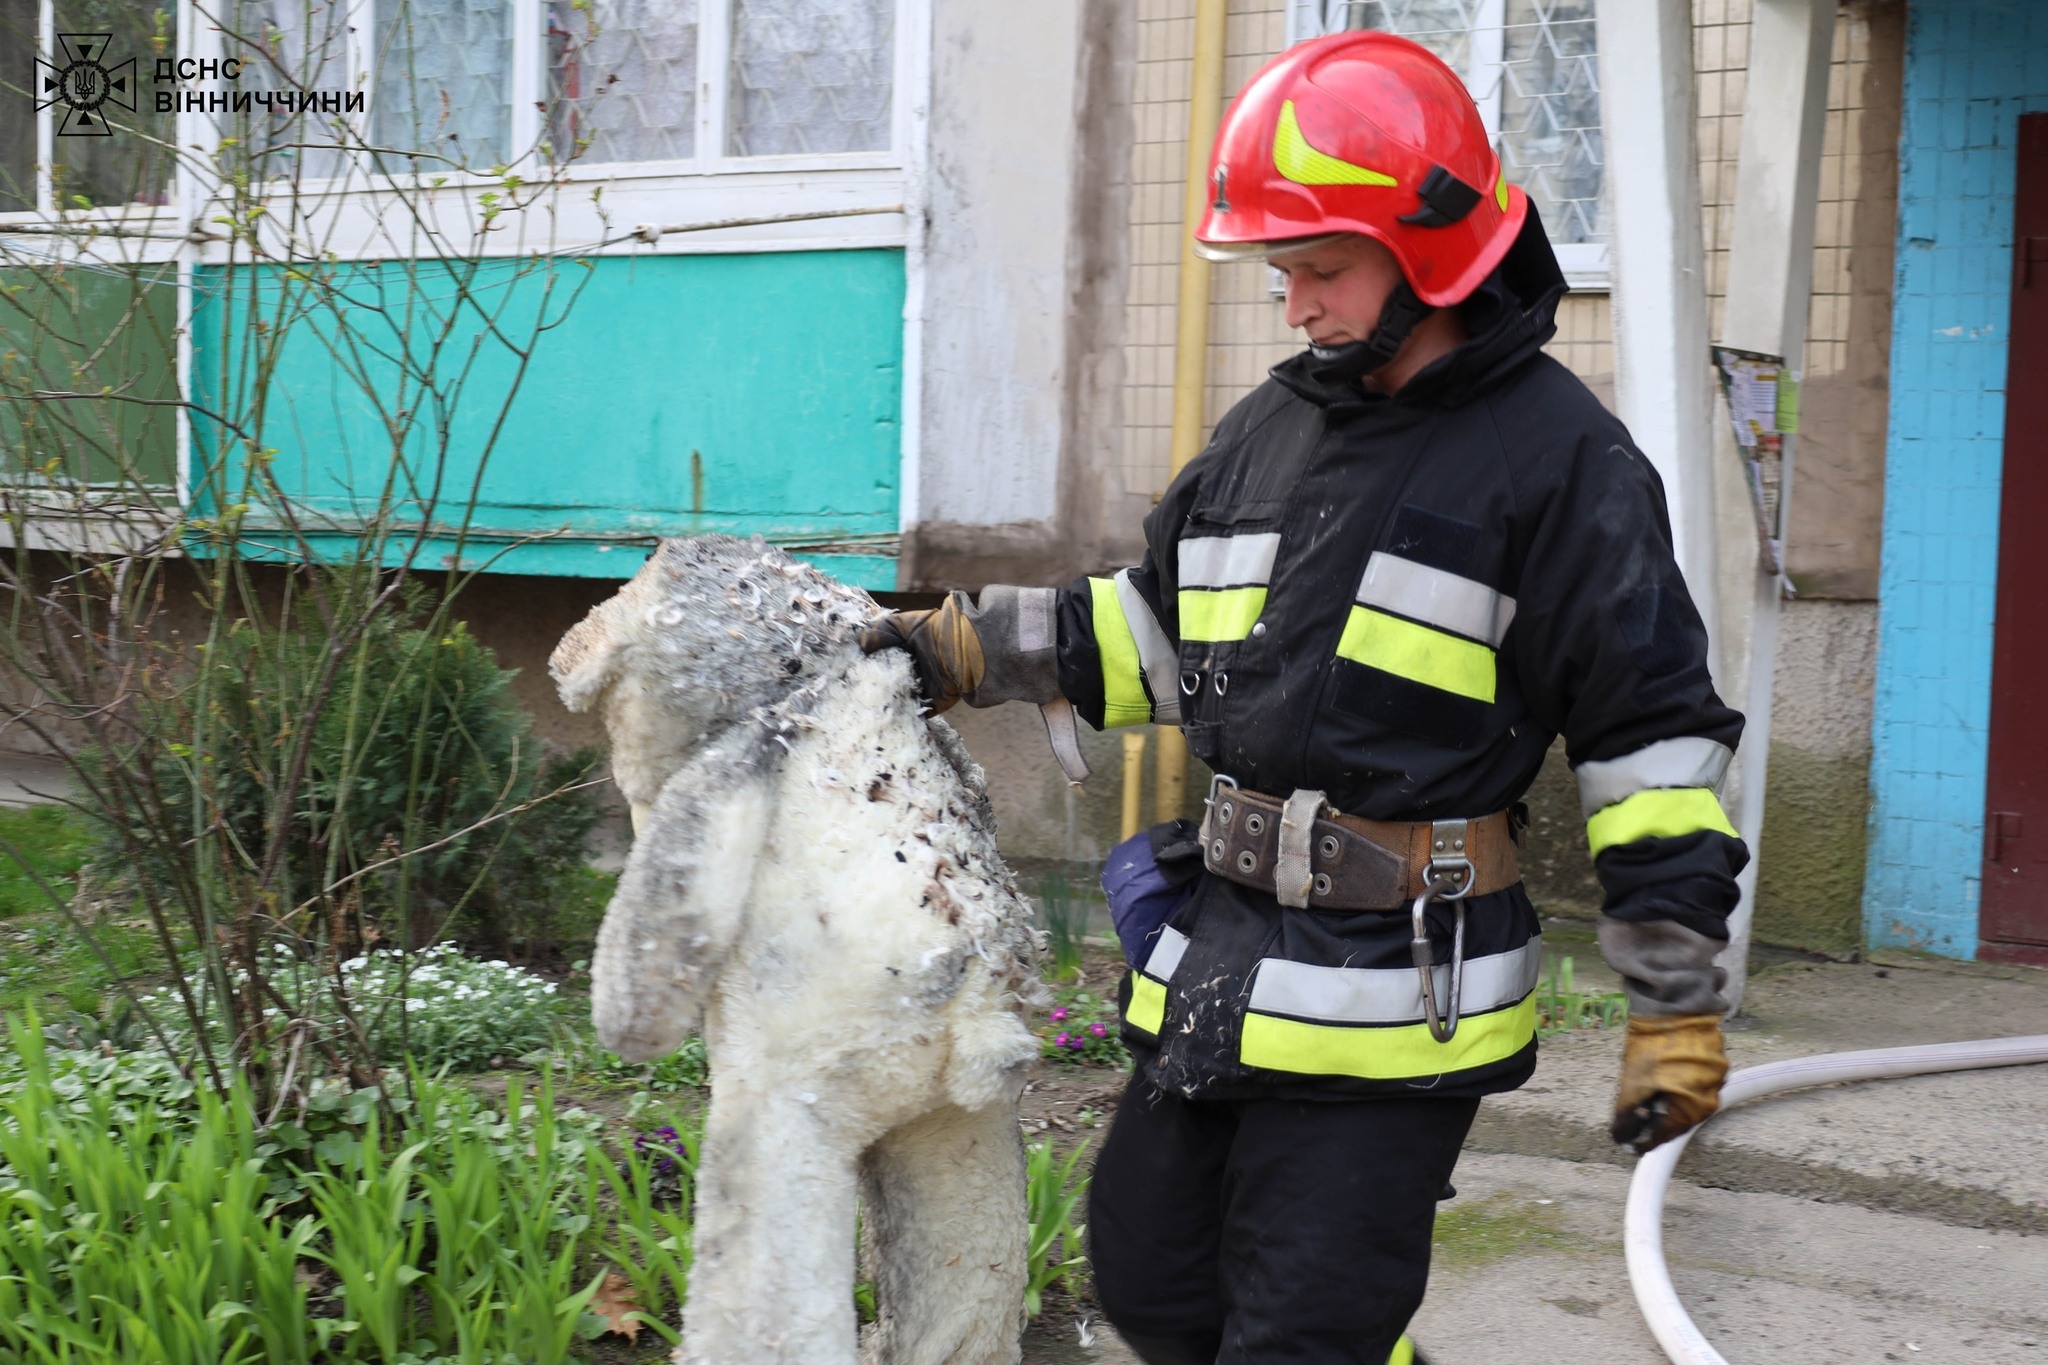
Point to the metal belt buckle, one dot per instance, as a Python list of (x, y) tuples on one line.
[(1215, 821), (1449, 876)]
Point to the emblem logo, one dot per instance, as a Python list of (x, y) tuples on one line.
[(84, 84)]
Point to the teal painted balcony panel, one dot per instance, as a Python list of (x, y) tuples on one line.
[(748, 394)]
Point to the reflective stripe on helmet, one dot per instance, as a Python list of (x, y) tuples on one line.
[(1658, 813), (1304, 165)]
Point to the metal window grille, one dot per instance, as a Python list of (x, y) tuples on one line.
[(1532, 68)]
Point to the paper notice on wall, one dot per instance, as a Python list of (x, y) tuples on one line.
[(1763, 405)]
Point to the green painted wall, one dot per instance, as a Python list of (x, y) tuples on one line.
[(750, 394), (97, 330)]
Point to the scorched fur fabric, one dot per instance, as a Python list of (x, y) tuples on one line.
[(814, 881)]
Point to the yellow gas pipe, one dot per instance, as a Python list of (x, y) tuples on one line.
[(1134, 783), (1191, 335)]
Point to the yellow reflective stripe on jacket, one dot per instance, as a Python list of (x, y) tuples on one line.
[(1220, 616), (1124, 701), (1417, 653), (1404, 1352), (1148, 1004), (1148, 983), (1684, 761), (1405, 1052), (1661, 813)]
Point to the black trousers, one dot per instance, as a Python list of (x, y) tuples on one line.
[(1281, 1232)]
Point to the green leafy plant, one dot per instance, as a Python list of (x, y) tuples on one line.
[(437, 1008), (149, 1227), (1562, 1006), (1064, 917), (1054, 1188)]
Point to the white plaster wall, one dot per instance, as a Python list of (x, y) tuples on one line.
[(1002, 144)]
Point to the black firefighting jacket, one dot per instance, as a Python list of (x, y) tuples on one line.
[(1400, 601)]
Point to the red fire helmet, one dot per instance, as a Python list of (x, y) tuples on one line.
[(1363, 132)]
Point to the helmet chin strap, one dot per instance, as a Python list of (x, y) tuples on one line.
[(1353, 360)]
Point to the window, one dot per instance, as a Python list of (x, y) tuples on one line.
[(433, 86), (85, 165), (1531, 66)]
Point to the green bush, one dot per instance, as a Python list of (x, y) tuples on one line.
[(416, 744)]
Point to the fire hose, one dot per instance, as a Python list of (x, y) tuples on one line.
[(1643, 1225)]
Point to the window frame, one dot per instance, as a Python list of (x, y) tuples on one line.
[(1587, 266), (872, 187)]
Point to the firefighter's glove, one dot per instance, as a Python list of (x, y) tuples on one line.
[(999, 650), (1671, 1074)]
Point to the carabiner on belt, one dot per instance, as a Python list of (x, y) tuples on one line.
[(1447, 877)]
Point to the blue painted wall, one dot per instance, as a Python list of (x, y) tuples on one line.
[(1972, 67), (746, 394)]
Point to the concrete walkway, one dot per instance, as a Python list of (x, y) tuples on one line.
[(1969, 1149), (31, 779), (1896, 1220)]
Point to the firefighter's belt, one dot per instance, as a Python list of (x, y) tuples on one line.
[(1309, 855)]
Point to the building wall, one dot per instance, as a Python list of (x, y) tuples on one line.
[(1971, 69), (1015, 472)]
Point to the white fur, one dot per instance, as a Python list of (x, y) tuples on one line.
[(814, 874)]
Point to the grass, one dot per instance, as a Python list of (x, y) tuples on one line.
[(1561, 1006), (1493, 1228), (43, 963), (52, 842)]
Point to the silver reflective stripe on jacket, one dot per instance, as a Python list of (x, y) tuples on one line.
[(1166, 953), (1156, 654), (1228, 561), (1390, 995), (1688, 761), (1434, 597)]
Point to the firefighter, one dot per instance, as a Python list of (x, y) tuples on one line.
[(1405, 563)]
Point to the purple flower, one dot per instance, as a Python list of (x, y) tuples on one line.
[(1059, 1014), (1098, 1030), (665, 1146), (1076, 1043), (1064, 1040)]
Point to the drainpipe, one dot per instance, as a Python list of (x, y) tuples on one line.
[(1191, 336)]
